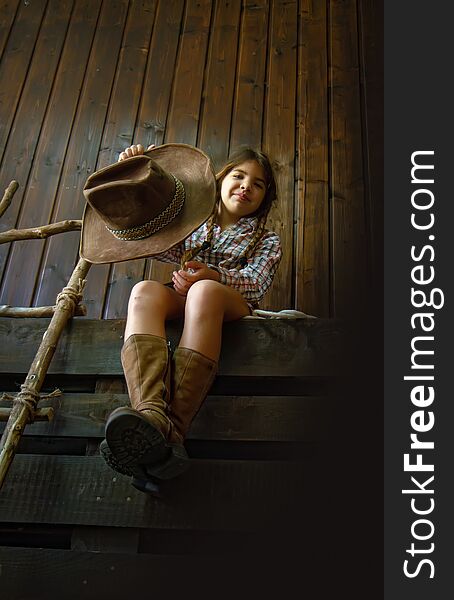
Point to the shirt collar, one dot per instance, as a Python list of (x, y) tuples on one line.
[(244, 224)]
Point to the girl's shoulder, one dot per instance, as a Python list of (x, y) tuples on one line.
[(270, 235)]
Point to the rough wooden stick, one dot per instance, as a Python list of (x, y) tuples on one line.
[(24, 405), (36, 311), (41, 414), (39, 233), (8, 196)]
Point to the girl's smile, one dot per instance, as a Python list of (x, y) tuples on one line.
[(242, 192)]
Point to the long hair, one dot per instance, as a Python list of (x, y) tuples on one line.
[(261, 213)]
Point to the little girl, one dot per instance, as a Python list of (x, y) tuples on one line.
[(227, 265)]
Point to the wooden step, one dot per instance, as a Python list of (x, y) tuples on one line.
[(221, 418), (251, 348)]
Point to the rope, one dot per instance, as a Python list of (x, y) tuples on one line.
[(29, 399), (54, 394), (73, 294)]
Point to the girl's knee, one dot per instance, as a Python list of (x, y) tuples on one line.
[(206, 288), (146, 293), (205, 295)]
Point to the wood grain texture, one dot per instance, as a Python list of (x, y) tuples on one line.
[(38, 201), (291, 348), (31, 108), (154, 110), (221, 495), (184, 109), (108, 296), (279, 140), (8, 10), (299, 79), (214, 130), (311, 268), (15, 60), (221, 418), (61, 252), (186, 96), (250, 76), (348, 235)]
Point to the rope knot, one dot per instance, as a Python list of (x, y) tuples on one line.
[(28, 398), (73, 294)]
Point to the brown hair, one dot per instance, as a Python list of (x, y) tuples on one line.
[(261, 213)]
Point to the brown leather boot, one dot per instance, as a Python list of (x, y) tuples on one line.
[(139, 436), (192, 376)]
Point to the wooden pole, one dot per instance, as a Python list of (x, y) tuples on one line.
[(25, 403), (36, 311), (40, 233), (8, 196)]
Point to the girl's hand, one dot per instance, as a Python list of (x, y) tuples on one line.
[(195, 271), (134, 150)]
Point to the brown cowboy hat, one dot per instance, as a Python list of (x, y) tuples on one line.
[(146, 204)]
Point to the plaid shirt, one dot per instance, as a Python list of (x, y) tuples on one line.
[(224, 255)]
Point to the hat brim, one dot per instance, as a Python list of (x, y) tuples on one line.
[(193, 168)]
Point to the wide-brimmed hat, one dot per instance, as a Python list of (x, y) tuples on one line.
[(146, 204)]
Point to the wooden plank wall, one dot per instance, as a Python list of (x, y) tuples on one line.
[(82, 79)]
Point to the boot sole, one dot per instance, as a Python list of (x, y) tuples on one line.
[(135, 471), (176, 463), (139, 478), (133, 440), (109, 459), (146, 478)]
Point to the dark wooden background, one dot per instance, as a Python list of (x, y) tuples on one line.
[(82, 79)]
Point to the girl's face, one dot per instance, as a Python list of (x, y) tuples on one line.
[(242, 192)]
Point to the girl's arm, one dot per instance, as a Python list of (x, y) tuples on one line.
[(254, 280)]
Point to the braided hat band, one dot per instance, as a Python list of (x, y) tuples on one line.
[(141, 232)]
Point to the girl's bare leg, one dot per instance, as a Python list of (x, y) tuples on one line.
[(208, 305), (151, 303)]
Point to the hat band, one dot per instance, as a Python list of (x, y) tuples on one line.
[(164, 218)]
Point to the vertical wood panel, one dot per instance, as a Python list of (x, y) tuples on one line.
[(349, 247), (279, 139), (14, 65), (38, 115), (157, 87), (62, 251), (185, 102), (118, 133), (247, 120), (8, 12), (150, 129), (214, 131), (311, 246), (189, 74)]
